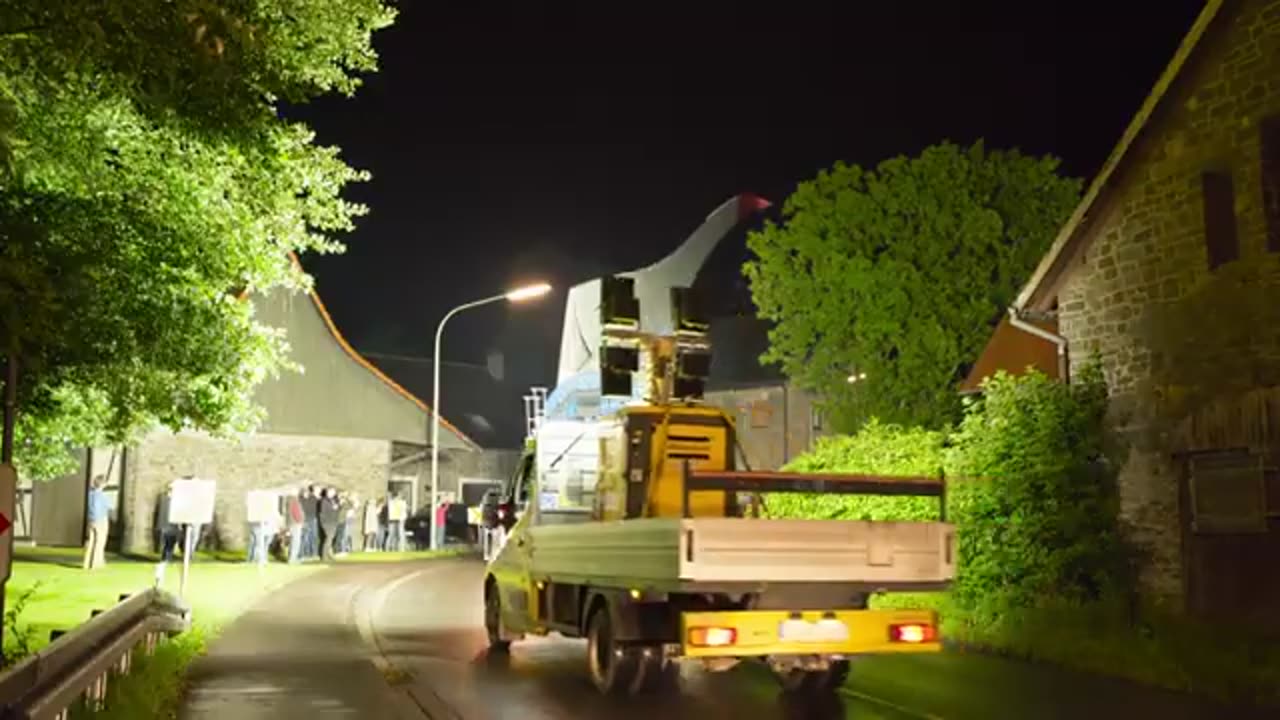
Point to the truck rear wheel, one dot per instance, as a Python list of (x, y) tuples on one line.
[(656, 674), (613, 668), (829, 680)]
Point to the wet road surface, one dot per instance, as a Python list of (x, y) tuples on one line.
[(407, 641)]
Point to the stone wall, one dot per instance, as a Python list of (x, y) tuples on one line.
[(775, 423), (256, 461), (1148, 249)]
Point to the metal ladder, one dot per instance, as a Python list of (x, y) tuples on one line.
[(535, 405)]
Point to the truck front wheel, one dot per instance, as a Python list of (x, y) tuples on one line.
[(493, 619), (613, 668)]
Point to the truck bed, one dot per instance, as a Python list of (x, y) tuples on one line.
[(672, 552)]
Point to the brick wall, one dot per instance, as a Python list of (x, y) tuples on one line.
[(257, 461), (1148, 247)]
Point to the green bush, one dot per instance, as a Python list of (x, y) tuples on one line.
[(1034, 498), (1043, 571), (879, 449)]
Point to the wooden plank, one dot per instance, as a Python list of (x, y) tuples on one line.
[(737, 481)]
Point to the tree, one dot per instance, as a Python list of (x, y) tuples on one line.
[(883, 284), (148, 183)]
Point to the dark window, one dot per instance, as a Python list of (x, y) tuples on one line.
[(1220, 219), (1271, 180)]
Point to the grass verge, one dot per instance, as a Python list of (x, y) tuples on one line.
[(1154, 648), (61, 596), (402, 556)]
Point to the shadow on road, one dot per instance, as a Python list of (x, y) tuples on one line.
[(549, 675)]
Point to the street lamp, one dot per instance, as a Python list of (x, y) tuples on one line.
[(520, 294)]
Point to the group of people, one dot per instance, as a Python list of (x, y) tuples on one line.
[(324, 523)]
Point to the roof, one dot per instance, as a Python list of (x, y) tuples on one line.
[(489, 409), (1039, 290), (1014, 350), (364, 363)]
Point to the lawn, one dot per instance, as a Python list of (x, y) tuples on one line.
[(65, 594), (400, 556)]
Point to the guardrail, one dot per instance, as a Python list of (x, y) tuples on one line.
[(76, 667)]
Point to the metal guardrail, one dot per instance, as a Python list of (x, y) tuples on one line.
[(77, 666)]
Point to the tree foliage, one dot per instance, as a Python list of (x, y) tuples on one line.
[(877, 449), (898, 272), (1036, 506), (147, 182)]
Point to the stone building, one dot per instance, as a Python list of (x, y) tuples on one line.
[(1168, 273), (340, 422)]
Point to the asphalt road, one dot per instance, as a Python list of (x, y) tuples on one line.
[(407, 641)]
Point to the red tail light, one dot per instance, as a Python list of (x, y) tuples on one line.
[(912, 633), (712, 636)]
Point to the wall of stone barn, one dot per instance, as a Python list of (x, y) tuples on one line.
[(1148, 245), (456, 465), (256, 461)]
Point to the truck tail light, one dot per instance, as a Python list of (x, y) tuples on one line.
[(712, 636), (912, 633)]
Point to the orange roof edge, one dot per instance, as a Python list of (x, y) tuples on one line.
[(364, 363), (1013, 350)]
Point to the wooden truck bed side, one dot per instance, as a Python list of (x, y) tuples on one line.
[(667, 552)]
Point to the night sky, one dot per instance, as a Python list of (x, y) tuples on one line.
[(515, 145)]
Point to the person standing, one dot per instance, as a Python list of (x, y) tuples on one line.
[(99, 515), (349, 510), (168, 531), (396, 514), (256, 532), (296, 521), (311, 527), (328, 513), (438, 523), (384, 523), (340, 528), (370, 527)]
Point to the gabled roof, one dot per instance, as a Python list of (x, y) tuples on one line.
[(1039, 290), (364, 363), (490, 409)]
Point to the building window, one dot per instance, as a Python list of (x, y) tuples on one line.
[(1271, 180), (815, 419), (1220, 237)]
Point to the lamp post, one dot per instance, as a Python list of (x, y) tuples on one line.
[(528, 292)]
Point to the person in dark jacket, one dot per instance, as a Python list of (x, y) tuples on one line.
[(311, 523), (168, 531), (330, 513)]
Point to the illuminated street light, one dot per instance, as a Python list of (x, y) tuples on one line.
[(528, 292), (520, 294), (857, 376)]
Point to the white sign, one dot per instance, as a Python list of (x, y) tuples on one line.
[(263, 506), (192, 502)]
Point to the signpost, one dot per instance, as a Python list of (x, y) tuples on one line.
[(8, 495), (191, 505)]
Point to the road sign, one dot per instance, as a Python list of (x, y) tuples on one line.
[(192, 502), (8, 500)]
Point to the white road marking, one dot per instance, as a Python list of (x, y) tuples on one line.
[(892, 706)]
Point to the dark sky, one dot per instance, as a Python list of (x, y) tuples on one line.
[(511, 145)]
